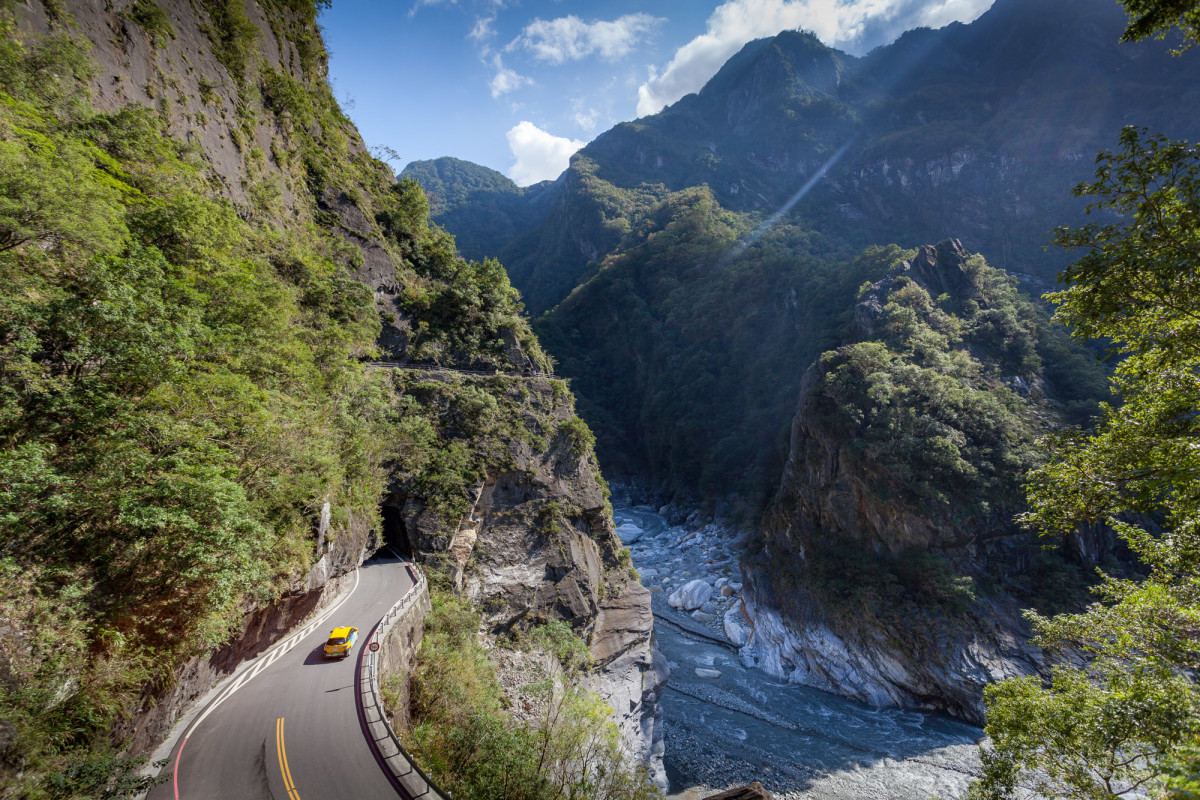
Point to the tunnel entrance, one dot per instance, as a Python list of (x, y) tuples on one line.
[(395, 535)]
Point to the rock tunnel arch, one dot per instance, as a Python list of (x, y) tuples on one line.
[(395, 533)]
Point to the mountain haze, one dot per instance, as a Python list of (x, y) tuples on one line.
[(975, 131)]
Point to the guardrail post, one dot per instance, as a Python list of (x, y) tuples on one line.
[(370, 662)]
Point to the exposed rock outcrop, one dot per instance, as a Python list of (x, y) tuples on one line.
[(864, 586), (691, 595), (537, 544)]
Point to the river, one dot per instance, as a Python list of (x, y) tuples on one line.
[(728, 724)]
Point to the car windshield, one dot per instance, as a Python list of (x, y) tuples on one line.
[(336, 640)]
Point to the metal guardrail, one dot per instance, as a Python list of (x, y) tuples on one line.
[(409, 778)]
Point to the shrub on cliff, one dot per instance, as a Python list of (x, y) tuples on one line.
[(472, 747), (923, 406)]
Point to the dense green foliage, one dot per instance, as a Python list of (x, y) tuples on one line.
[(481, 206), (471, 745), (936, 410), (179, 393), (1158, 17), (454, 428), (685, 363), (180, 380), (1131, 719), (926, 405), (696, 383)]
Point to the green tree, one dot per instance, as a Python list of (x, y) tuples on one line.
[(1126, 722), (1157, 17)]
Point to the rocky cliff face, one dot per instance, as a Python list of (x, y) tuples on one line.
[(538, 543), (876, 553), (245, 84)]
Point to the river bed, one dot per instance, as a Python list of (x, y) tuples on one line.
[(728, 724)]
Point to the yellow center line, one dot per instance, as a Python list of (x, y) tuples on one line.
[(284, 770)]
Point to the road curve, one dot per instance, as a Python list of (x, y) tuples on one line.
[(293, 731)]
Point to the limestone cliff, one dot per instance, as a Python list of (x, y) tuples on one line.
[(891, 569), (538, 543), (514, 509)]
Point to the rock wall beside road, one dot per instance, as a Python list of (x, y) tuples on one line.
[(343, 548)]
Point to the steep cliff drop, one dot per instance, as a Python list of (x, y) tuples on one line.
[(891, 569), (241, 90), (538, 543)]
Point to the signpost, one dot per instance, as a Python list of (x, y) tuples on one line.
[(373, 647)]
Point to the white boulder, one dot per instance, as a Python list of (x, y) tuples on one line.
[(629, 532), (736, 626), (691, 595)]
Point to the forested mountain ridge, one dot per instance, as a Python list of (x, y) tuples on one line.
[(974, 131), (690, 320), (483, 206), (892, 546), (979, 129), (196, 255)]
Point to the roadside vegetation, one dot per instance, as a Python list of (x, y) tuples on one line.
[(179, 392), (465, 737), (180, 380)]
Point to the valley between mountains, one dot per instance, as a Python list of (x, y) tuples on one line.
[(833, 428)]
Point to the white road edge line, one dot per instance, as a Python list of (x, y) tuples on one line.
[(223, 690), (282, 647)]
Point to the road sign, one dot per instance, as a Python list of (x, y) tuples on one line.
[(373, 647)]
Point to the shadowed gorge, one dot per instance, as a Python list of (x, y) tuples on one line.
[(728, 286)]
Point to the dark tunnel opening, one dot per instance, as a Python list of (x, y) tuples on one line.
[(395, 535)]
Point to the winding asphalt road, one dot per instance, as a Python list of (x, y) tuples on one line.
[(291, 730)]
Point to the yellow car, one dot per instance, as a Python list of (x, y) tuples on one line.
[(340, 642)]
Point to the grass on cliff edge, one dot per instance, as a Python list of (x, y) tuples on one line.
[(465, 738)]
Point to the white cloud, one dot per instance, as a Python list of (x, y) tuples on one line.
[(586, 119), (540, 155), (570, 38), (584, 115), (482, 28), (506, 80), (855, 25), (416, 6)]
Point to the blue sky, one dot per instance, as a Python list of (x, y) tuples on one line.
[(519, 85)]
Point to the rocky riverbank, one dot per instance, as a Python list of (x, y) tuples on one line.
[(729, 723)]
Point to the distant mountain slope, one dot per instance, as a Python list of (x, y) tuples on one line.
[(479, 205), (973, 131), (977, 129)]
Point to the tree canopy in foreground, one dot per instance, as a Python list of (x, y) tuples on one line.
[(1128, 722)]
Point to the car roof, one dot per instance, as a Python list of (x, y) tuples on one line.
[(342, 632)]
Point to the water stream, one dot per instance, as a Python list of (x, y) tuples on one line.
[(727, 730)]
